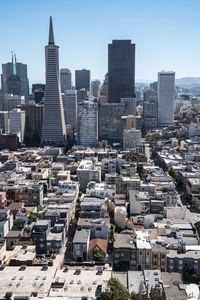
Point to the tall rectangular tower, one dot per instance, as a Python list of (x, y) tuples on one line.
[(54, 130), (10, 73), (65, 80), (82, 79), (166, 85), (121, 70)]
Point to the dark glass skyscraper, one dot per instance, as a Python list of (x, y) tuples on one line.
[(82, 79), (121, 70)]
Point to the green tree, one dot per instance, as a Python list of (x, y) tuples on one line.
[(97, 256), (32, 217), (17, 225), (115, 291)]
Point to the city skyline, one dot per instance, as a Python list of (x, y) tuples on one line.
[(164, 34)]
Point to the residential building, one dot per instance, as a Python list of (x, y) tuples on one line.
[(87, 123), (144, 250), (131, 138), (86, 172), (124, 252), (81, 242)]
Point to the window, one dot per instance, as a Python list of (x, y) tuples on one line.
[(98, 228)]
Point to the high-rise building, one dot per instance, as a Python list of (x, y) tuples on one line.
[(12, 101), (110, 125), (95, 88), (131, 138), (14, 78), (70, 108), (121, 70), (38, 90), (154, 86), (4, 122), (166, 89), (104, 90), (65, 80), (54, 130), (17, 123), (87, 123), (109, 122), (1, 100), (150, 109), (33, 124), (129, 106), (82, 79)]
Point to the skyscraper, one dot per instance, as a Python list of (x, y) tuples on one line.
[(166, 85), (65, 80), (95, 88), (82, 79), (14, 78), (121, 70), (53, 131), (17, 122), (70, 108), (150, 109)]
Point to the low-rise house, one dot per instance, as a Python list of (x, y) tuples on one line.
[(81, 243), (39, 235), (98, 249), (6, 223), (144, 250), (183, 262), (124, 251), (99, 228), (159, 257)]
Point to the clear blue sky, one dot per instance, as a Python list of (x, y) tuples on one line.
[(166, 33)]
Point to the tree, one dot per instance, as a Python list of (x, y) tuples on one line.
[(97, 256), (17, 225), (32, 217), (115, 291)]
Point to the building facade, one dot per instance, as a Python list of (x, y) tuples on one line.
[(166, 85), (17, 123), (87, 123), (15, 79), (82, 79), (121, 70), (65, 80), (70, 108), (53, 131)]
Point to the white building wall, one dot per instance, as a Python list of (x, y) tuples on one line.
[(17, 123), (166, 84)]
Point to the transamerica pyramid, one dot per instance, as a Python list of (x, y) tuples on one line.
[(53, 131)]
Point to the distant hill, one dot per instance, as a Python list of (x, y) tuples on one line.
[(188, 82)]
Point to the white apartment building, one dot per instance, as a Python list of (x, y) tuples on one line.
[(166, 84)]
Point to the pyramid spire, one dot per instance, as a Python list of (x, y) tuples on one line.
[(14, 62), (51, 34)]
